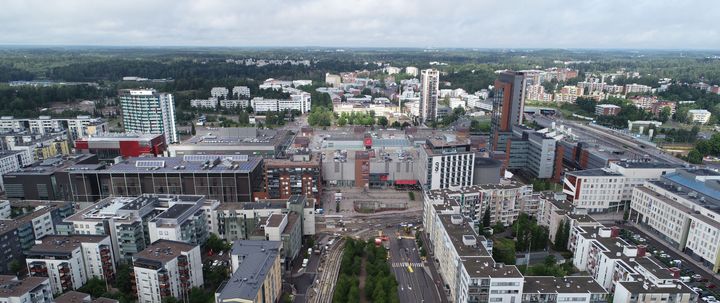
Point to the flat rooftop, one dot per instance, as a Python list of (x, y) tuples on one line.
[(653, 266), (447, 192), (51, 165), (456, 232), (257, 258), (73, 297), (647, 165), (595, 172), (163, 251), (554, 285), (223, 164), (10, 286), (274, 220), (62, 245), (640, 287), (238, 136), (175, 211), (11, 225)]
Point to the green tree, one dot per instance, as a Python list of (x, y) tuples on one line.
[(396, 124), (354, 294), (665, 114), (559, 237), (96, 287), (15, 266), (342, 121), (486, 218), (695, 157), (122, 278), (382, 121), (192, 129)]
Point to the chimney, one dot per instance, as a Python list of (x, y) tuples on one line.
[(615, 232), (641, 249), (675, 272)]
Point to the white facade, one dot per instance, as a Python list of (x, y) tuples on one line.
[(83, 257), (437, 171), (637, 88), (333, 80), (701, 116), (241, 92), (167, 269), (10, 161), (28, 290), (299, 102), (411, 70), (219, 92), (234, 103), (204, 103), (147, 111)]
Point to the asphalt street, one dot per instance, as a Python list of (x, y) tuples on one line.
[(415, 285)]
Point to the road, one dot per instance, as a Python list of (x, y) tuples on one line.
[(415, 284)]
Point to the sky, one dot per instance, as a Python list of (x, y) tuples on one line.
[(657, 24)]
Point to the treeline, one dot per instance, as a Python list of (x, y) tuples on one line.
[(703, 148), (529, 235), (25, 101), (628, 111), (9, 73), (380, 284)]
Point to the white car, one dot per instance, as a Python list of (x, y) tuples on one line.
[(709, 299)]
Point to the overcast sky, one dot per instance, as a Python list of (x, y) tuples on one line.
[(676, 24)]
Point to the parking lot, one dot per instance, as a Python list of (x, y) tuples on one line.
[(696, 278)]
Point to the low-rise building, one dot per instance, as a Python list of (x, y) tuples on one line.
[(31, 289), (204, 103), (109, 146), (47, 179), (608, 189), (241, 92), (701, 116), (256, 274), (219, 92), (637, 88), (167, 269), (70, 261), (658, 107), (607, 110), (248, 141)]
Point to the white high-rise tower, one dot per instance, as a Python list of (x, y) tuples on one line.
[(147, 111)]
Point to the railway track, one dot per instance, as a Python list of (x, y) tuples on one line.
[(328, 278)]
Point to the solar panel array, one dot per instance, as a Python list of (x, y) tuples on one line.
[(150, 163), (204, 158)]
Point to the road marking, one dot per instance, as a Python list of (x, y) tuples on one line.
[(406, 264)]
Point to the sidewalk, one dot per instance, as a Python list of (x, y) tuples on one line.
[(434, 275), (683, 255)]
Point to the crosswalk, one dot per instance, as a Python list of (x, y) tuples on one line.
[(406, 264)]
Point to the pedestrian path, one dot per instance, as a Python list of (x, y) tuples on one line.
[(406, 264)]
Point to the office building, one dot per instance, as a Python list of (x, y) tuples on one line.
[(444, 162), (134, 222), (249, 141), (610, 189), (607, 110), (148, 111), (18, 234), (300, 175), (227, 178), (429, 95), (31, 289), (508, 107), (256, 273), (70, 261), (167, 269), (109, 146), (505, 201), (533, 153), (47, 179)]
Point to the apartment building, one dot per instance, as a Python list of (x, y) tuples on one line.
[(682, 209), (505, 201), (625, 269), (299, 175), (76, 127), (658, 107), (18, 234), (31, 289), (610, 189), (10, 161), (219, 92), (166, 269), (637, 88), (429, 95), (70, 261), (256, 273), (243, 221), (38, 147), (241, 92), (148, 111), (470, 274), (134, 222), (607, 110), (444, 162), (210, 103), (552, 211), (701, 116), (300, 102)]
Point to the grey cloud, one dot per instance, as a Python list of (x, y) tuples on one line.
[(364, 23)]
